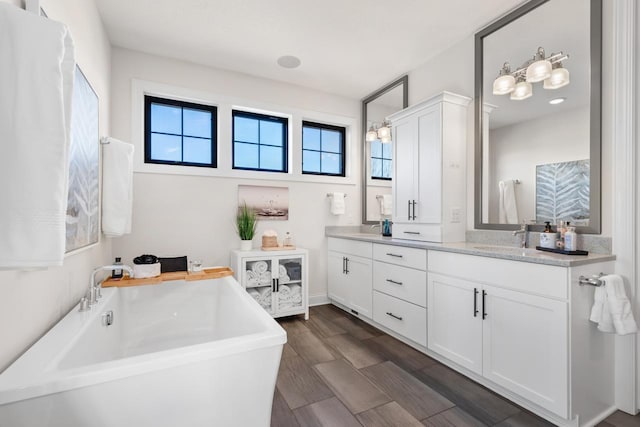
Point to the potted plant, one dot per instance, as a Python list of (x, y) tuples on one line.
[(246, 225)]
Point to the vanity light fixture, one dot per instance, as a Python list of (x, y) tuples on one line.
[(382, 132), (540, 68), (372, 134)]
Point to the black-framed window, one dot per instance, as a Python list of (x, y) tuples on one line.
[(260, 142), (179, 133), (381, 160), (323, 149)]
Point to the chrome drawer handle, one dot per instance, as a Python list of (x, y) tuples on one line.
[(393, 315), (395, 255), (411, 232), (394, 282)]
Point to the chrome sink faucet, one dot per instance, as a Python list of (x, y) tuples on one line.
[(94, 292), (524, 231)]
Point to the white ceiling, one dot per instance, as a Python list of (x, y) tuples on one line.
[(348, 47)]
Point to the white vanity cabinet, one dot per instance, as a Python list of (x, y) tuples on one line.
[(429, 169), (277, 280), (350, 275)]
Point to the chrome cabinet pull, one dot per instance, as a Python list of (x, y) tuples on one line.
[(393, 315), (394, 282), (394, 255), (411, 232)]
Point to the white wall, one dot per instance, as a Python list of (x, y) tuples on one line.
[(194, 215), (32, 302), (516, 150), (453, 70)]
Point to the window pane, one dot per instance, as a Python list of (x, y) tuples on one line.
[(197, 150), (331, 141), (245, 130), (311, 138), (386, 169), (376, 168), (310, 161), (166, 147), (376, 148), (387, 150), (245, 155), (271, 133), (166, 119), (197, 123), (270, 157), (331, 163)]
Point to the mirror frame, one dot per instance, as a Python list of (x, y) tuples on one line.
[(595, 133), (402, 81)]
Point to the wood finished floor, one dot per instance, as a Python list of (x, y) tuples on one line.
[(338, 371)]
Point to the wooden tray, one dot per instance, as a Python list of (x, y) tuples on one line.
[(207, 273), (278, 248)]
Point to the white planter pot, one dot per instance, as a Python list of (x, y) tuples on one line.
[(246, 245)]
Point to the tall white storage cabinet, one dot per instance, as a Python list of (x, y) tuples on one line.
[(429, 169), (278, 280)]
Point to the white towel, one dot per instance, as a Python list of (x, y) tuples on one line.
[(338, 206), (36, 87), (282, 271), (117, 187), (264, 278), (251, 279), (507, 209), (260, 267), (387, 204), (611, 308)]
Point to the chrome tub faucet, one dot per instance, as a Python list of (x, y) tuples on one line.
[(94, 292)]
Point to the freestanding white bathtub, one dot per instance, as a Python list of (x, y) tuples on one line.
[(199, 353)]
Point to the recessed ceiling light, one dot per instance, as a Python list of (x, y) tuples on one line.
[(555, 101), (289, 61)]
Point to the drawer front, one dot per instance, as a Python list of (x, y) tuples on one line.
[(401, 282), (399, 255), (353, 247), (402, 317), (537, 279), (421, 232)]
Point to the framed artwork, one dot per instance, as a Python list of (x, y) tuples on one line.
[(82, 219), (268, 202), (562, 192)]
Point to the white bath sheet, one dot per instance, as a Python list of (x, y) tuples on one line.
[(507, 208), (36, 84), (117, 187)]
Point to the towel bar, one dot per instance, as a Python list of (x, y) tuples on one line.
[(104, 140), (592, 281), (331, 195)]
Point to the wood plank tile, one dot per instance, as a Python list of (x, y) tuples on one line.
[(454, 417), (323, 327), (417, 398), (399, 353), (293, 325), (328, 311), (470, 396), (299, 384), (310, 348), (355, 327), (350, 386), (287, 351), (604, 424), (621, 419), (525, 419), (328, 413), (281, 415), (359, 355), (390, 414)]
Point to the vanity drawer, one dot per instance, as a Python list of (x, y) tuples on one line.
[(405, 283), (421, 232), (402, 317), (354, 247), (399, 255)]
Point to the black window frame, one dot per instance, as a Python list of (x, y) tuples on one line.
[(263, 117), (343, 131), (150, 99), (371, 157)]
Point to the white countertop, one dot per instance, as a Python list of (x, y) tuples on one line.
[(503, 252)]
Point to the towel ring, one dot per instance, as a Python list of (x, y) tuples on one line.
[(591, 281)]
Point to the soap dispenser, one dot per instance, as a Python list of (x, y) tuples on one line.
[(548, 237)]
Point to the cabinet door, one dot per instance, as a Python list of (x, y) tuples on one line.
[(404, 169), (429, 181), (525, 346), (455, 320), (359, 281), (257, 278), (336, 285), (291, 290)]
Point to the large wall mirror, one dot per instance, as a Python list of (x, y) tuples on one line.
[(538, 117), (378, 155)]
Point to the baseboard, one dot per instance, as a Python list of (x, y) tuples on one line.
[(321, 299), (600, 417)]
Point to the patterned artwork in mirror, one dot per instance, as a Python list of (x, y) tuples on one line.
[(562, 192), (83, 227)]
